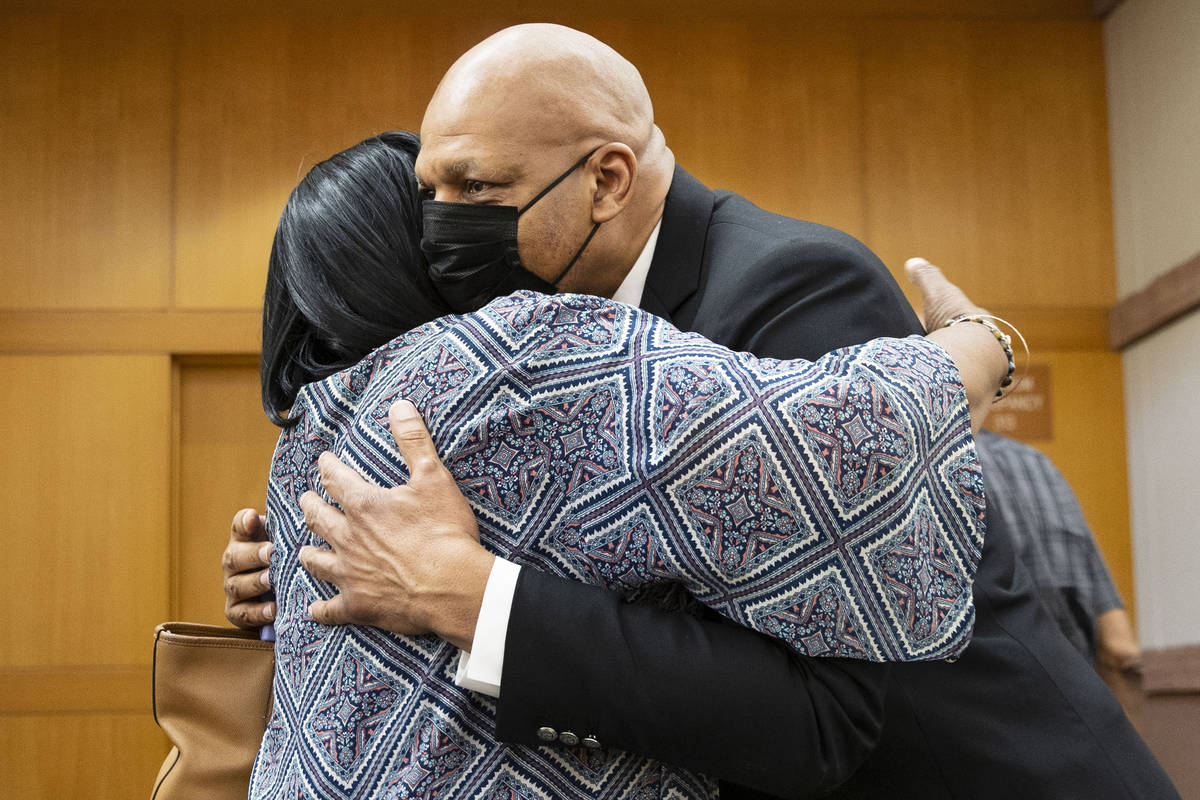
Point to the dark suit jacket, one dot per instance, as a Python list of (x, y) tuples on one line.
[(1021, 714), (709, 695)]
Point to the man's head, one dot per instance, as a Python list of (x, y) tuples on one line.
[(517, 111)]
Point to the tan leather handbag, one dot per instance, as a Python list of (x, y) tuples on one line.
[(212, 697)]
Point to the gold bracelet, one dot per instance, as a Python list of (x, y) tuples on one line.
[(1005, 341)]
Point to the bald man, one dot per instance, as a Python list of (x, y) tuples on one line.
[(543, 169), (542, 107)]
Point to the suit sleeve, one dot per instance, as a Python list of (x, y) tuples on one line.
[(701, 692), (698, 692)]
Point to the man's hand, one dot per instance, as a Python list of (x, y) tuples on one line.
[(1119, 661), (1116, 644), (244, 564), (406, 559)]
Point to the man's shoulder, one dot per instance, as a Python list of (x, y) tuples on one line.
[(731, 208), (758, 279), (766, 236), (730, 214)]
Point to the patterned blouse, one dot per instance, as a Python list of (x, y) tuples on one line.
[(836, 505)]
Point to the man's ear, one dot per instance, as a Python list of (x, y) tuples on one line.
[(614, 169)]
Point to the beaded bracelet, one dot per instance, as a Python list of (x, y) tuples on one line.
[(1005, 341)]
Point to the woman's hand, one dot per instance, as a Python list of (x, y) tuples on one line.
[(941, 300), (981, 361)]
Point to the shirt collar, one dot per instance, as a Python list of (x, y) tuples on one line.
[(630, 290)]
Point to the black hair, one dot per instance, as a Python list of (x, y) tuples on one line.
[(346, 273)]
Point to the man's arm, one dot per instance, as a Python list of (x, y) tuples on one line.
[(1118, 653), (699, 692), (801, 297), (1119, 661)]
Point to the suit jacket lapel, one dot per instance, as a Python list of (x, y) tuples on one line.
[(675, 272)]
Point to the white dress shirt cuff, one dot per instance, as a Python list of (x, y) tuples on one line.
[(479, 670)]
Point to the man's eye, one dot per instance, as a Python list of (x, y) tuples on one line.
[(425, 193), (474, 187)]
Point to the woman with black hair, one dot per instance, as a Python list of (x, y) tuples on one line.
[(595, 441), (345, 273)]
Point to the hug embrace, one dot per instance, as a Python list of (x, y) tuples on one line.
[(597, 483)]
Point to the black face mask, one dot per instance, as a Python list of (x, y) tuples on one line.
[(472, 250)]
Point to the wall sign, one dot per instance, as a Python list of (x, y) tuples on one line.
[(1026, 412)]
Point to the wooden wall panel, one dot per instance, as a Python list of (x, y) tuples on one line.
[(260, 101), (86, 482), (155, 146), (662, 9), (86, 131), (986, 152), (775, 112), (979, 144), (225, 447), (97, 756)]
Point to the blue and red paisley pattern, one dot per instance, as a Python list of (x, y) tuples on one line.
[(836, 505)]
